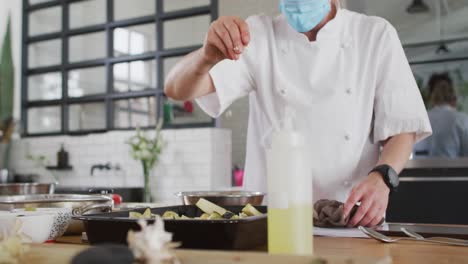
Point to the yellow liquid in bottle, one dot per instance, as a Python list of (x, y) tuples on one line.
[(290, 230)]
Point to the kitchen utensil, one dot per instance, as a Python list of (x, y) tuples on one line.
[(383, 238), (26, 188), (223, 198), (80, 203), (11, 202), (420, 237), (235, 234), (426, 230), (35, 227)]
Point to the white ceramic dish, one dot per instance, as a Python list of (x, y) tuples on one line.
[(36, 228), (62, 218)]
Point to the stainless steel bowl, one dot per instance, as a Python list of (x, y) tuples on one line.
[(223, 197), (80, 204), (26, 188)]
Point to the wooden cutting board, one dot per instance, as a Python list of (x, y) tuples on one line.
[(63, 253)]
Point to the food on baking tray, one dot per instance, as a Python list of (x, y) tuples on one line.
[(210, 211)]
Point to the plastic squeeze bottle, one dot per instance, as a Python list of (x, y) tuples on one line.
[(289, 193)]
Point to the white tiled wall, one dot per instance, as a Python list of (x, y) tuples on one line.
[(194, 159)]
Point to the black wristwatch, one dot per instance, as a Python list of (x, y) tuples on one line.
[(389, 175)]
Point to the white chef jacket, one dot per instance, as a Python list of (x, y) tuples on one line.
[(353, 86)]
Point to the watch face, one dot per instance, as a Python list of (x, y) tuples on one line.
[(393, 178)]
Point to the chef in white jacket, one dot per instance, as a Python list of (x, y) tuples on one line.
[(345, 72)]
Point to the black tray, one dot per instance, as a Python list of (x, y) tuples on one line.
[(238, 234)]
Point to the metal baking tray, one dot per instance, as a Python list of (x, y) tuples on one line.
[(238, 234), (26, 188), (426, 230), (10, 202)]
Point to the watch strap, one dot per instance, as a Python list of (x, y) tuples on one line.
[(384, 171)]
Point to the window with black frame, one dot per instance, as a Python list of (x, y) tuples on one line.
[(99, 65)]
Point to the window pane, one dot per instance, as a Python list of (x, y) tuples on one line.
[(87, 116), (440, 51), (87, 13), (169, 63), (135, 76), (457, 72), (456, 11), (138, 112), (33, 2), (124, 9), (44, 119), (45, 86), (45, 21), (195, 29), (188, 112), (134, 40), (45, 53), (87, 47), (86, 81), (171, 5)]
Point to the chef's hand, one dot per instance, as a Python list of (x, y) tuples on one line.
[(226, 39), (373, 195)]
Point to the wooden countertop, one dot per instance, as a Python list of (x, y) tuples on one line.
[(335, 250)]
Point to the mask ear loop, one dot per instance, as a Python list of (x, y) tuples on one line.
[(336, 3)]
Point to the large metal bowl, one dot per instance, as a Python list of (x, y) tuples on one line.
[(26, 188), (80, 204), (223, 198)]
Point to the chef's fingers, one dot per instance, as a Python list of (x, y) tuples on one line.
[(366, 204), (375, 221), (223, 34), (354, 197), (244, 30), (370, 215), (377, 218), (235, 34), (219, 44)]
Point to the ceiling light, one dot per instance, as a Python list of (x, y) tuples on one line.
[(417, 6), (442, 49)]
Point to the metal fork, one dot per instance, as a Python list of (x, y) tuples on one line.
[(413, 234), (383, 238)]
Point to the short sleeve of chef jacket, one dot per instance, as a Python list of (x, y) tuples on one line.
[(232, 79), (398, 104)]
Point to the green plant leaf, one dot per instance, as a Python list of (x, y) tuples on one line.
[(6, 77)]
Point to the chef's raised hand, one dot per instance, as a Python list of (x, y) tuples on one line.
[(373, 195), (226, 39)]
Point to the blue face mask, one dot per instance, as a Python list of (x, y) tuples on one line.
[(304, 15)]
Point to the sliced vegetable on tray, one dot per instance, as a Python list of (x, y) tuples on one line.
[(210, 211)]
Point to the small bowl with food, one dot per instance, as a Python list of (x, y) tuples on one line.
[(223, 198)]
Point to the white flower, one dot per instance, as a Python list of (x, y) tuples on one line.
[(143, 145), (145, 154), (152, 244)]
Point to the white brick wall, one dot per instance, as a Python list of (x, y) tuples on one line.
[(194, 159)]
